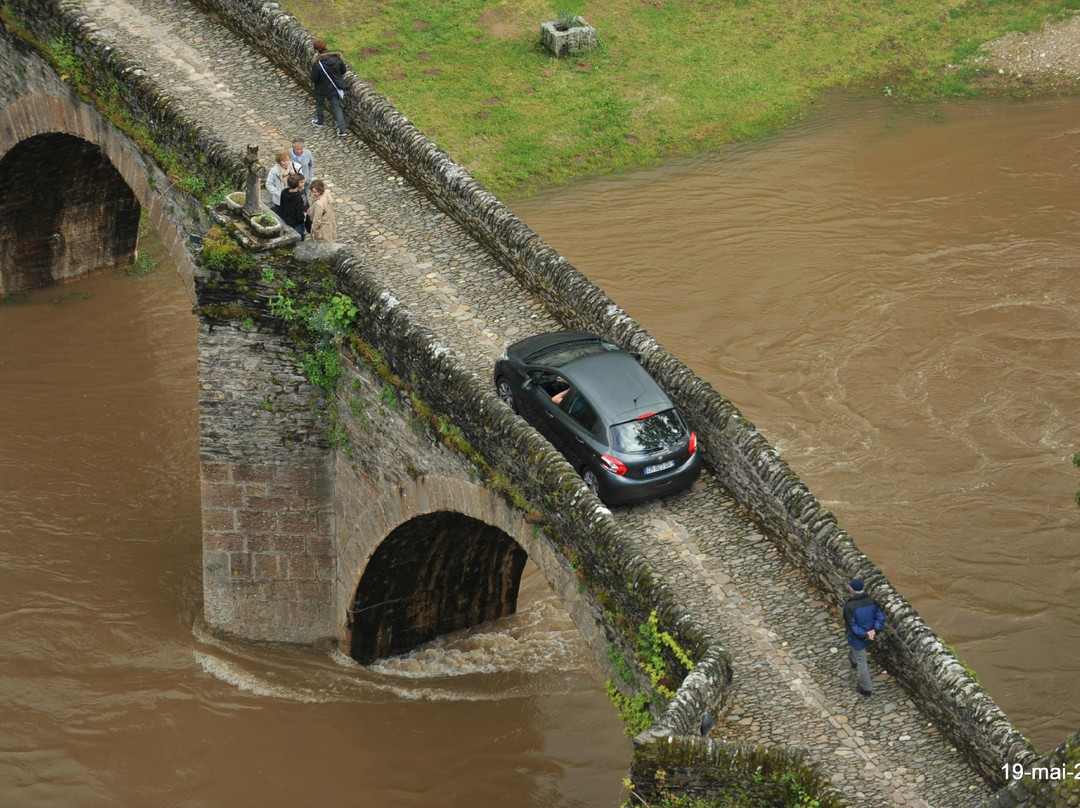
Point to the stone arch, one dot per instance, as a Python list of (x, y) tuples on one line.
[(437, 573), (71, 216), (65, 162), (478, 542)]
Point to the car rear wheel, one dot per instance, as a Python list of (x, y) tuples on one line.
[(593, 483), (506, 393)]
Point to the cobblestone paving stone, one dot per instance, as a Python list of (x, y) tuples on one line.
[(793, 686)]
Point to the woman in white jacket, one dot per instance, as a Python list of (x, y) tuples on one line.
[(277, 178)]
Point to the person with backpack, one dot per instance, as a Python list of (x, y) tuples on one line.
[(327, 76), (863, 619)]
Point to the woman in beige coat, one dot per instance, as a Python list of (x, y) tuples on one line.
[(323, 228)]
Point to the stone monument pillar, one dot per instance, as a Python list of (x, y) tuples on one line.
[(253, 185)]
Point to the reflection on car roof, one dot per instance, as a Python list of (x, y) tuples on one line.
[(556, 356)]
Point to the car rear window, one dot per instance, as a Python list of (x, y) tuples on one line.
[(558, 355), (650, 434)]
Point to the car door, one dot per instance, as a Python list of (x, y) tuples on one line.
[(578, 425), (537, 399)]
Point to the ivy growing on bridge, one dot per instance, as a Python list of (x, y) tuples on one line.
[(654, 646)]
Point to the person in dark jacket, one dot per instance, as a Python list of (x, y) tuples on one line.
[(293, 209), (327, 76), (863, 619)]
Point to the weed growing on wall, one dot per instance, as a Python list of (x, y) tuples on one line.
[(222, 253), (654, 647), (1076, 462), (673, 773), (318, 319)]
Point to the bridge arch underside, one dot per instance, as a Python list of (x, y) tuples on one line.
[(65, 212), (434, 574)]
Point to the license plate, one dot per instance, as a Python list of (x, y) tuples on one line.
[(659, 467)]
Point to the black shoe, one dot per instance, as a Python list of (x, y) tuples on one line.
[(315, 123), (864, 692), (341, 134)]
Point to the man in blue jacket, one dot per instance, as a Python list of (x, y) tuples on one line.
[(863, 619)]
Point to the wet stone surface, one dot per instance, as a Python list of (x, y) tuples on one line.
[(792, 686)]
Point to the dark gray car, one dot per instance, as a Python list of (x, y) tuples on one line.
[(601, 409)]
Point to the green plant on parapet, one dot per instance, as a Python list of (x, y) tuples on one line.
[(61, 53), (797, 793), (265, 219), (267, 274), (970, 671), (144, 265), (1076, 462), (222, 253), (323, 367), (652, 646), (356, 407), (216, 195), (387, 396), (623, 669), (340, 312), (191, 184), (633, 710)]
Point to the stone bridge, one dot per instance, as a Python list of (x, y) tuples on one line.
[(407, 502)]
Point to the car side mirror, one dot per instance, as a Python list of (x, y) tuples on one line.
[(528, 385)]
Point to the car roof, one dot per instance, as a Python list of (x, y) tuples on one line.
[(617, 386)]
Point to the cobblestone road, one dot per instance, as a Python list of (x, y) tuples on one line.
[(792, 682)]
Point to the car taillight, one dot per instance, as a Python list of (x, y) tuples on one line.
[(693, 443), (612, 465)]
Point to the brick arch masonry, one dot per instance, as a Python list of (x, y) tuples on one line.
[(79, 217), (464, 542), (434, 574), (51, 142)]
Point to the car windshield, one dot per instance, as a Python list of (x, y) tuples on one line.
[(558, 355), (649, 434)]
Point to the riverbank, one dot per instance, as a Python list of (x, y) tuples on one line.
[(668, 78), (1047, 60)]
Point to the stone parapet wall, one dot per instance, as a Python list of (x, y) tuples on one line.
[(1051, 782), (715, 773), (743, 460), (103, 65)]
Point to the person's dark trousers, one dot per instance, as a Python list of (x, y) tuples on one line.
[(335, 107)]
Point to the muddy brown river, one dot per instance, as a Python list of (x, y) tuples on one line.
[(891, 297)]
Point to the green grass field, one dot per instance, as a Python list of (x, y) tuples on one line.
[(669, 77)]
